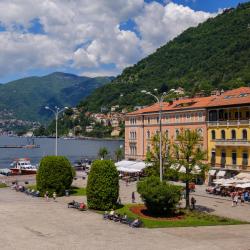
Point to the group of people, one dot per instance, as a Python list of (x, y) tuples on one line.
[(112, 215), (239, 197), (23, 189), (46, 196)]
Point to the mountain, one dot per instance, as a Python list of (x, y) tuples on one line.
[(25, 98), (215, 54)]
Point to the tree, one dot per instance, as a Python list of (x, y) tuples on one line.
[(119, 154), (55, 174), (153, 155), (103, 185), (159, 197), (103, 152), (187, 153)]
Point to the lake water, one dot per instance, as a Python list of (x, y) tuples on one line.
[(72, 149)]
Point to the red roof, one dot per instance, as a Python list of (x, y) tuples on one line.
[(231, 97), (238, 96)]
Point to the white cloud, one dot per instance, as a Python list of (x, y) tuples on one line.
[(158, 24), (86, 33)]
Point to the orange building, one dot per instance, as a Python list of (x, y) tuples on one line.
[(142, 124)]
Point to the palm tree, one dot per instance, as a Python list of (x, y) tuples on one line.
[(103, 152), (187, 153), (119, 154)]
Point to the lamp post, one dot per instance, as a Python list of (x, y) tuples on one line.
[(56, 112), (159, 99)]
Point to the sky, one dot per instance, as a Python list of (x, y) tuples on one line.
[(91, 37)]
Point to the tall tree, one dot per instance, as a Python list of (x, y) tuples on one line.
[(187, 153)]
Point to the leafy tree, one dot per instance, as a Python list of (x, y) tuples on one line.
[(55, 174), (159, 197), (103, 152), (119, 153), (153, 156), (187, 153), (103, 185)]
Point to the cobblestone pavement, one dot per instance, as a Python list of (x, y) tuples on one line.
[(34, 224)]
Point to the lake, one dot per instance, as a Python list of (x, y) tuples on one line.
[(73, 149)]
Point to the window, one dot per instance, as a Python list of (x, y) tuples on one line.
[(245, 159), (234, 158), (223, 134), (177, 132), (133, 149), (132, 120), (200, 117), (132, 135), (157, 119), (148, 148), (233, 134), (213, 135), (188, 117), (177, 118), (200, 132), (244, 134), (223, 158), (166, 134), (148, 134), (148, 120)]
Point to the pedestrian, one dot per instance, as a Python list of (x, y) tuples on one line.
[(193, 201), (54, 196), (232, 197), (126, 182), (46, 196), (236, 197), (133, 197)]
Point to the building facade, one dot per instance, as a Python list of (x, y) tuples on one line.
[(223, 120), (229, 132), (142, 124)]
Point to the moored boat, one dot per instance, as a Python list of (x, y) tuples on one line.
[(22, 166)]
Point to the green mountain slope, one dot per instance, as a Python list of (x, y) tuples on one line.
[(216, 54), (26, 98)]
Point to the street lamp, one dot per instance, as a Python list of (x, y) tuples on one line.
[(159, 99), (56, 112)]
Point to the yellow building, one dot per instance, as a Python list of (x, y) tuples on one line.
[(229, 133)]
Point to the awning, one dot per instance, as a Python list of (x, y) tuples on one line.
[(243, 176), (212, 172), (130, 166), (221, 173), (182, 169)]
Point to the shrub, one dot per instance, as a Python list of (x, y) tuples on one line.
[(159, 197), (55, 174), (103, 185)]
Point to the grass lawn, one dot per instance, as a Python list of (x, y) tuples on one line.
[(190, 219), (3, 185), (76, 191)]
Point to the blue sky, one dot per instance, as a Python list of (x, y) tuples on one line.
[(91, 37)]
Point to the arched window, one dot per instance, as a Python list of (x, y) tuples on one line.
[(244, 134), (148, 134), (223, 134), (177, 132), (233, 134), (213, 135)]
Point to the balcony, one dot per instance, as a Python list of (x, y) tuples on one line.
[(232, 142), (228, 123)]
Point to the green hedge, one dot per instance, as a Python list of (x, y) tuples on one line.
[(103, 185), (159, 197), (55, 174)]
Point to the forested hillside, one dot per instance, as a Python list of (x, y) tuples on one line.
[(216, 54), (25, 98)]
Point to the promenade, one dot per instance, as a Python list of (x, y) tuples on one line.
[(34, 224)]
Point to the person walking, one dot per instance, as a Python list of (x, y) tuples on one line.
[(193, 202), (133, 197), (54, 196), (46, 196)]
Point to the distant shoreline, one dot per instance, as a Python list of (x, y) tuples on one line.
[(73, 138)]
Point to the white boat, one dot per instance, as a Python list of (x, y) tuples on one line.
[(22, 166)]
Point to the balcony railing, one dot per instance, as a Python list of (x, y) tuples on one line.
[(232, 142), (228, 123), (132, 139)]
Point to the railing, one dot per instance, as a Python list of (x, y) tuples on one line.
[(228, 123), (231, 142), (132, 139)]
